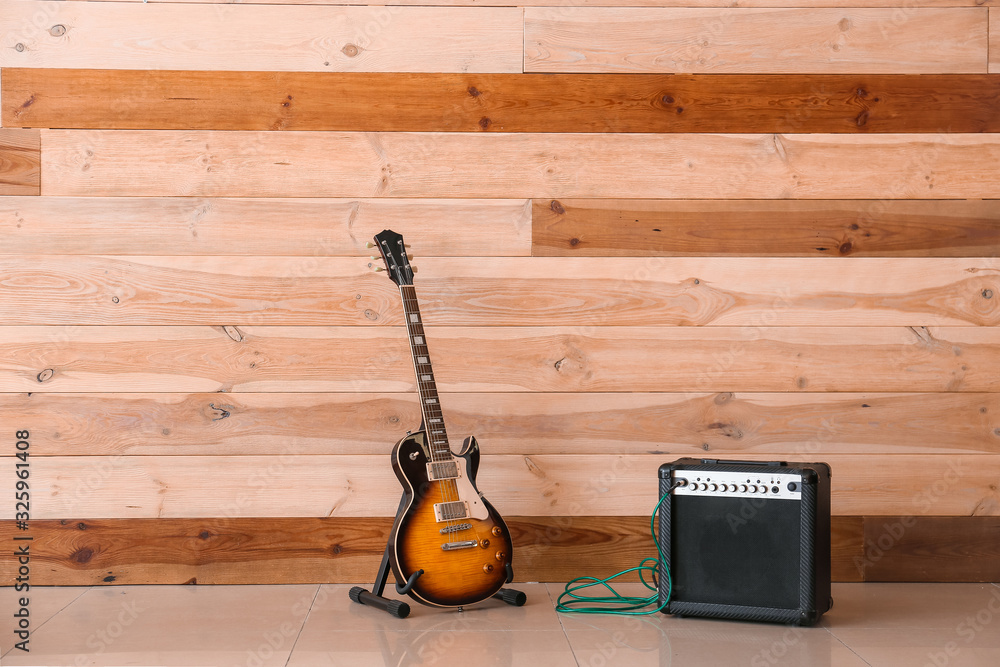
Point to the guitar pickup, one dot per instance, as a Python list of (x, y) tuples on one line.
[(457, 509), (438, 470), (452, 546)]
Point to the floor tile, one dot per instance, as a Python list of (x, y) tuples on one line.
[(936, 647), (43, 603), (173, 625), (335, 612), (906, 605), (379, 646)]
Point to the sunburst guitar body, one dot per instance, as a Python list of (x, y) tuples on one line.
[(464, 560), (449, 547)]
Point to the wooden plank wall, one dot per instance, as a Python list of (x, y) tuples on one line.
[(645, 230)]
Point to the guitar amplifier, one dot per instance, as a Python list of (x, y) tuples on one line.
[(746, 540)]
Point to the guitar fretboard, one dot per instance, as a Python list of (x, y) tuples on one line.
[(430, 406)]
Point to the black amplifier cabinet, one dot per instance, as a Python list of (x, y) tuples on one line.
[(746, 540)]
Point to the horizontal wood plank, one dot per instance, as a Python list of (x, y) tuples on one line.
[(117, 35), (506, 359), (87, 290), (677, 228), (723, 424), (994, 65), (907, 4), (305, 228), (287, 485), (423, 102), (806, 40), (20, 162), (944, 549), (96, 552), (347, 164)]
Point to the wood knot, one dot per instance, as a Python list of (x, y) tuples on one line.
[(574, 241), (58, 30), (862, 119), (801, 382), (81, 526), (19, 47), (667, 99), (82, 555), (350, 50), (45, 375), (723, 398), (862, 93), (556, 207), (474, 92), (204, 535), (108, 579), (987, 293), (845, 248), (371, 314), (680, 109), (844, 24), (233, 333), (484, 123), (337, 549)]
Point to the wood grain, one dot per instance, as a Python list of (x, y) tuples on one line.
[(287, 485), (262, 37), (306, 228), (20, 160), (677, 228), (907, 548), (86, 290), (423, 102), (95, 552), (994, 65), (723, 424), (808, 40), (518, 359), (643, 3), (339, 164)]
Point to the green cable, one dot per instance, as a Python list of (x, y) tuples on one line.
[(622, 605)]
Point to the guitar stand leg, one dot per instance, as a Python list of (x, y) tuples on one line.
[(511, 597), (374, 598)]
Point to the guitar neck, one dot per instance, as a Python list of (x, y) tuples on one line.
[(430, 406)]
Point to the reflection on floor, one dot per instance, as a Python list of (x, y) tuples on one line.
[(891, 625)]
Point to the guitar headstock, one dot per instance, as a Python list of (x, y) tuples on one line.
[(397, 264)]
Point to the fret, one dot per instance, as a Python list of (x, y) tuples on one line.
[(426, 388)]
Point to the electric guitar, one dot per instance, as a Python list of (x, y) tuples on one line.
[(448, 544)]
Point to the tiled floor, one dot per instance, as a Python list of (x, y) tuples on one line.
[(890, 625)]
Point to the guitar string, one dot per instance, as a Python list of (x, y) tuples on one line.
[(446, 487)]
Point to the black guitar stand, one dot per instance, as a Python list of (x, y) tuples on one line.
[(401, 609)]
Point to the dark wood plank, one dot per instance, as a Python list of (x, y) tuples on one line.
[(839, 228), (322, 550), (726, 424), (68, 98), (20, 162), (931, 548)]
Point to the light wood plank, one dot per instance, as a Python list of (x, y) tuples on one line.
[(906, 4), (86, 290), (305, 228), (352, 101), (994, 65), (331, 550), (807, 40), (723, 425), (20, 162), (261, 37), (675, 228), (504, 359), (338, 164), (286, 485)]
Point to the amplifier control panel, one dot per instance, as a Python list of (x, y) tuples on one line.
[(781, 486)]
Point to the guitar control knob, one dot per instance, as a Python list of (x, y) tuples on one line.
[(496, 531), (484, 544), (487, 568), (501, 555)]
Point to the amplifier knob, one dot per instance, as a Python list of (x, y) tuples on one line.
[(743, 488), (713, 487)]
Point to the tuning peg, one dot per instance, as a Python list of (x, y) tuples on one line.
[(373, 258), (413, 268), (369, 245), (379, 268)]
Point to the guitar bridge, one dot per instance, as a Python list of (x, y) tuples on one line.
[(438, 470), (457, 509), (455, 528)]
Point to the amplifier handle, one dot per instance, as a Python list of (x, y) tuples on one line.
[(778, 464)]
